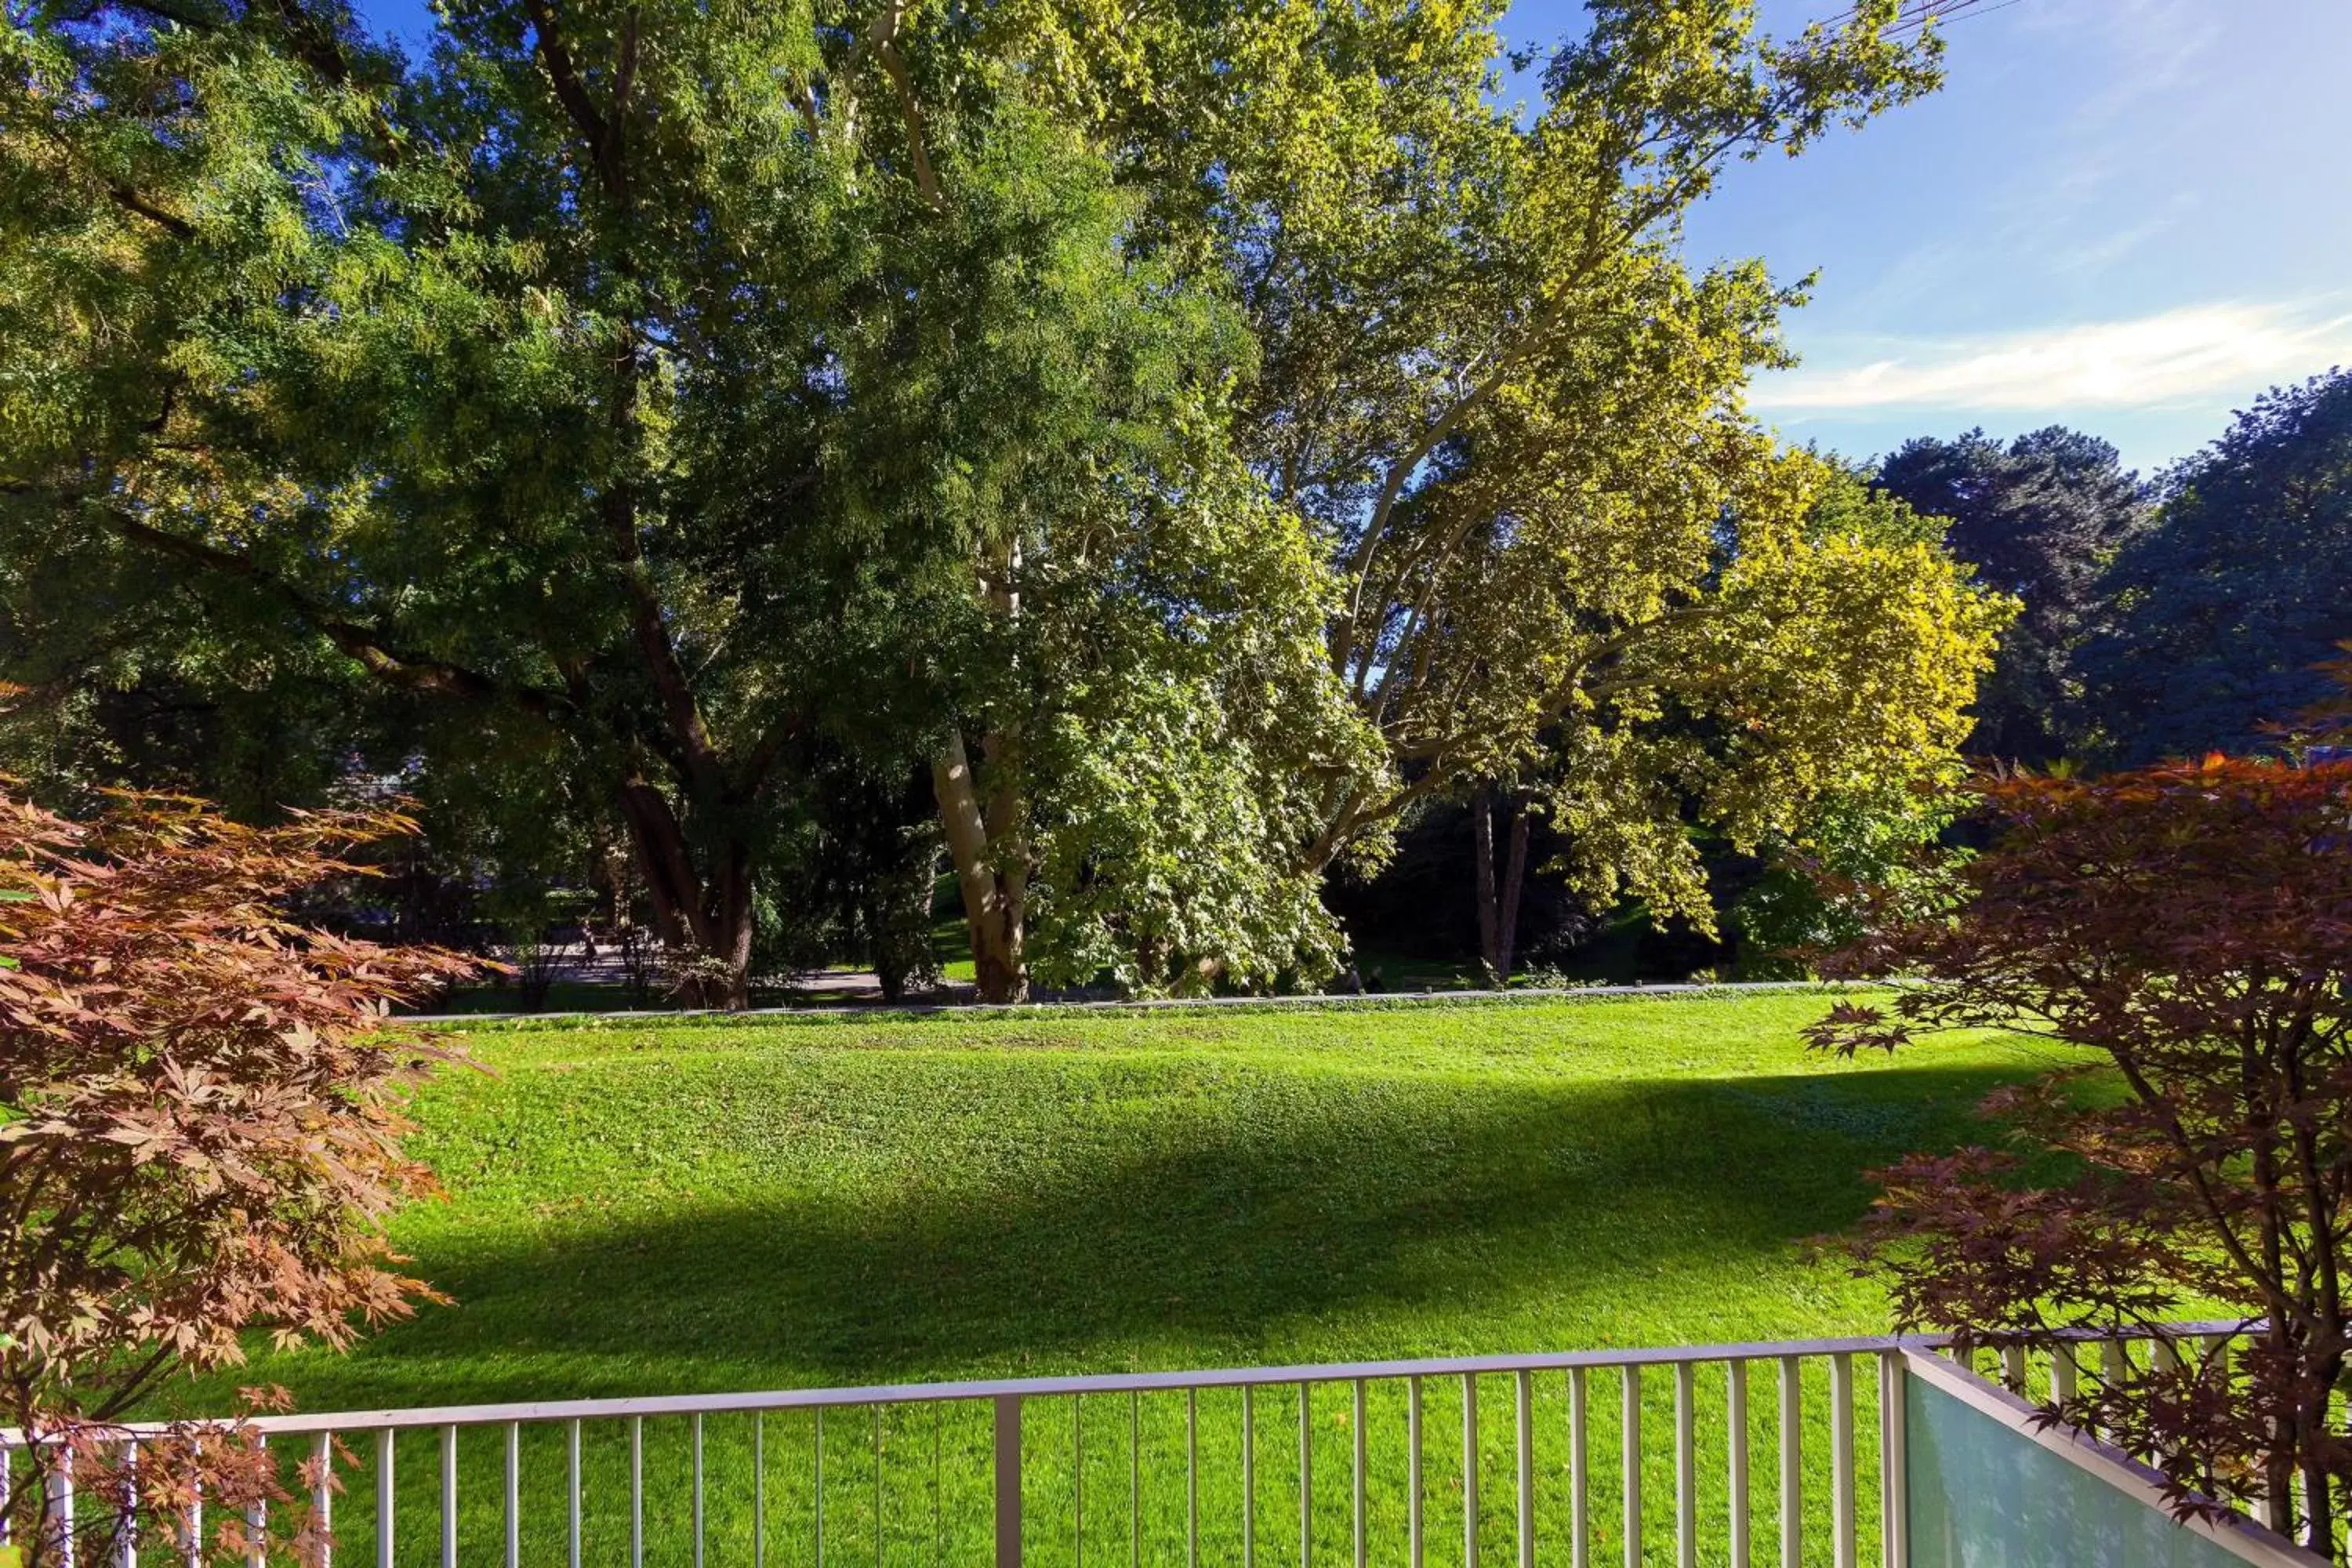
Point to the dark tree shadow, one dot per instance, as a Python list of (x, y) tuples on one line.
[(1376, 1198)]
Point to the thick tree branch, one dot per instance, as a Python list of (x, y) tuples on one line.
[(314, 41), (917, 130), (603, 133), (879, 41), (376, 652), (132, 202)]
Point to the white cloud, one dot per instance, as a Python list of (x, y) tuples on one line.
[(2183, 355)]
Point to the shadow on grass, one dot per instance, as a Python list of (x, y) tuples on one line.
[(1398, 1211)]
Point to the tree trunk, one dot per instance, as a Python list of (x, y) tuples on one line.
[(1499, 898), (1515, 878), (1482, 855), (705, 921), (992, 871)]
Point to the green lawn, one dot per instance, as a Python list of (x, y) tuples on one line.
[(706, 1206)]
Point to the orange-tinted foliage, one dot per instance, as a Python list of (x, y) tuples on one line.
[(199, 1121)]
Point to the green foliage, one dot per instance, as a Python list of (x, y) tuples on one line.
[(1513, 413), (1856, 853), (1195, 435), (2221, 617), (2039, 519), (580, 405)]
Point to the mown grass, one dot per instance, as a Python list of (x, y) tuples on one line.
[(638, 1209)]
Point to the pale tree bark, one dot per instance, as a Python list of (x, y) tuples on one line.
[(985, 821), (990, 859)]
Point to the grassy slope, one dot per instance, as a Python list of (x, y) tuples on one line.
[(641, 1209), (708, 1207)]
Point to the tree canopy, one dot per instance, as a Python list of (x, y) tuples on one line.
[(2041, 519), (1189, 438), (2220, 617), (2187, 930), (1563, 554)]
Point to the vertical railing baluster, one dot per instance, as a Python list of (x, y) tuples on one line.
[(2215, 1366), (1008, 1481), (1524, 1447), (1629, 1431), (1579, 1473), (637, 1492), (2012, 1368), (1306, 1476), (514, 1494), (1357, 1465), (449, 1497), (1685, 1467), (322, 1497), (1894, 1500), (383, 1499), (62, 1507), (572, 1489), (1192, 1477), (1134, 1480), (1249, 1477), (2114, 1370), (694, 1443), (878, 1532), (1412, 1469), (1470, 1470), (759, 1490), (1077, 1482), (818, 1494), (939, 1485), (126, 1547), (257, 1523), (1842, 1477), (1792, 1471), (1734, 1399), (196, 1523), (2065, 1376)]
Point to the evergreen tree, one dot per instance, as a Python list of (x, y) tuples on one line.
[(2039, 519), (2220, 615)]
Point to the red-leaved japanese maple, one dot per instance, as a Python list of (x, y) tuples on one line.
[(2190, 927), (199, 1138)]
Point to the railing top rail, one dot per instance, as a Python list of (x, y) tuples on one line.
[(534, 1411)]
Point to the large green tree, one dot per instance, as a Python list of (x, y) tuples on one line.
[(2040, 518), (1513, 413), (661, 392), (1197, 433), (2219, 618)]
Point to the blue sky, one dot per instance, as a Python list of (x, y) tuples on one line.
[(2126, 215)]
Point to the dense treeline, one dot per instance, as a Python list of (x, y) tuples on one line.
[(729, 465), (2204, 609), (2197, 611), (721, 461)]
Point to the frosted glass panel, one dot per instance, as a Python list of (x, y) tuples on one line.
[(1984, 1494)]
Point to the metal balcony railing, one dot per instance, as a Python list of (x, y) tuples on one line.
[(1742, 1454)]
